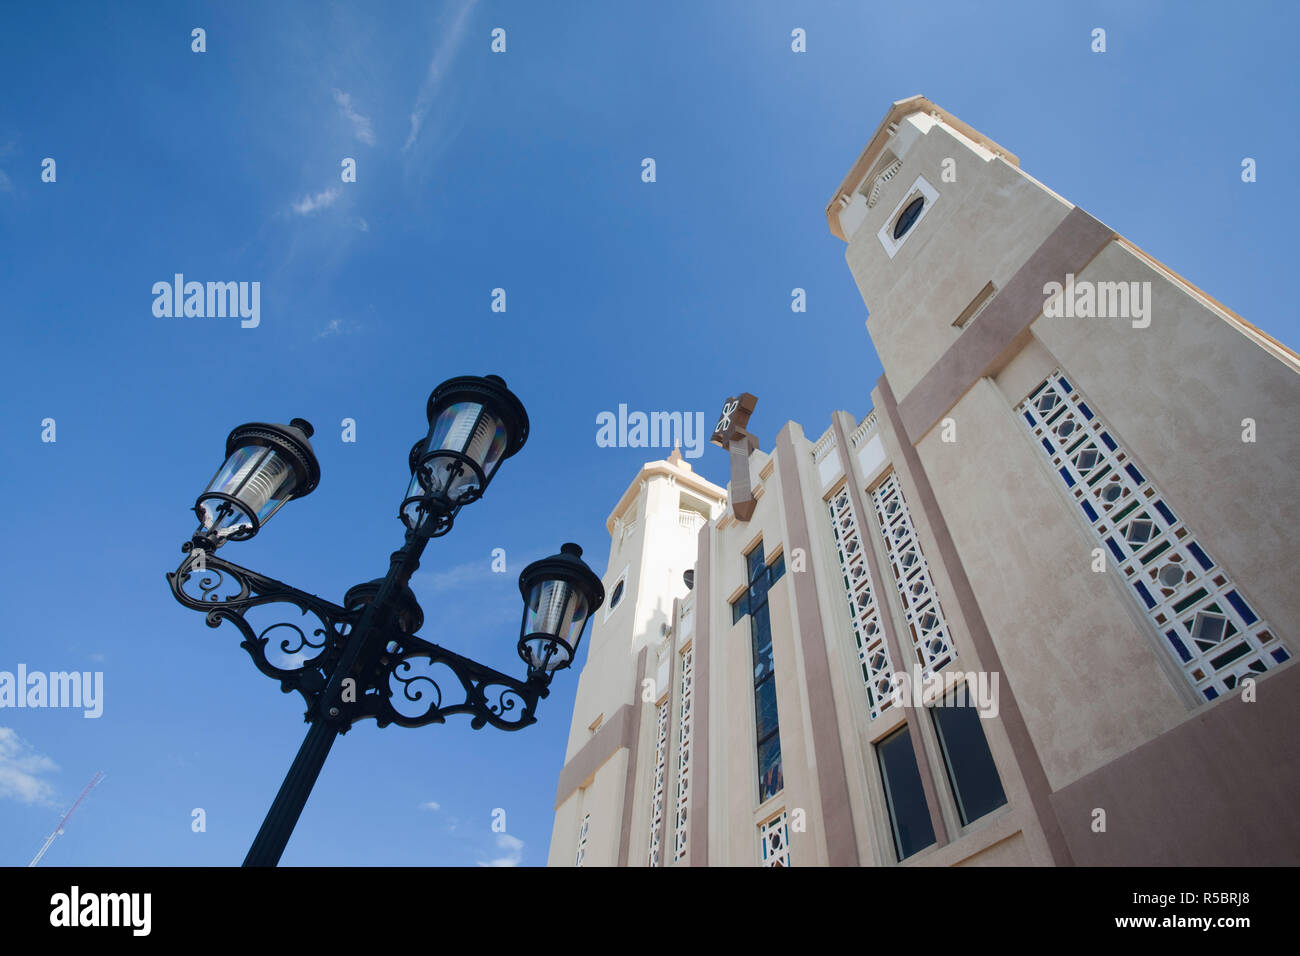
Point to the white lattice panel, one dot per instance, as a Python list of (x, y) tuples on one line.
[(660, 772), (931, 638), (774, 841), (684, 752), (1211, 630), (873, 652)]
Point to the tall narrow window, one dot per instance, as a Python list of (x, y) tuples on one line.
[(753, 602), (909, 815), (774, 841), (873, 652), (684, 751), (657, 787), (582, 840), (1206, 622), (971, 770), (931, 639)]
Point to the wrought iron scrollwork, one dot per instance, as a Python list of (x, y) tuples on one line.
[(228, 592), (428, 682), (489, 696)]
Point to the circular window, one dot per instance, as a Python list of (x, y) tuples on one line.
[(907, 218), (616, 596), (1111, 492), (1171, 575)]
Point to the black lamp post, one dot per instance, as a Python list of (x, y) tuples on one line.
[(364, 651)]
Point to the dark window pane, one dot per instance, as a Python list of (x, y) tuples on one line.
[(761, 629), (908, 812), (755, 563), (765, 707), (770, 780), (762, 661), (909, 216), (776, 570), (971, 771), (739, 609)]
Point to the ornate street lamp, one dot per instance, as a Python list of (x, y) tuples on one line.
[(474, 425), (560, 593), (266, 465), (365, 660)]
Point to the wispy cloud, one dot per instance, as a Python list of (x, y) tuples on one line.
[(360, 124), (336, 327), (444, 53), (431, 805), (323, 200), (455, 578), (481, 571), (22, 770), (514, 848)]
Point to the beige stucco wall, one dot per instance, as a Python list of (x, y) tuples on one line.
[(981, 228), (991, 828), (1071, 640), (1176, 393), (1013, 851), (603, 799), (1090, 675), (733, 763)]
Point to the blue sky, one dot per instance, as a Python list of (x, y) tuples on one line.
[(476, 171)]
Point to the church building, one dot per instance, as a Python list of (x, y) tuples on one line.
[(1034, 604)]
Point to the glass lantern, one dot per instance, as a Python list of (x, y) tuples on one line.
[(266, 465), (474, 425), (560, 594)]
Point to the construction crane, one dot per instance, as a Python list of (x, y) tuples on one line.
[(67, 816)]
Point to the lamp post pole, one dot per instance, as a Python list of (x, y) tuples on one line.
[(365, 651), (280, 820)]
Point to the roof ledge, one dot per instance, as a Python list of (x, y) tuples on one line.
[(901, 109)]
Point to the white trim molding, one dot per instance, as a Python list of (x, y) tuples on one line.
[(886, 234)]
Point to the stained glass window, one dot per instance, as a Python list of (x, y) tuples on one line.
[(582, 840), (761, 577)]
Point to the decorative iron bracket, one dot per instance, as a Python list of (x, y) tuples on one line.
[(405, 666)]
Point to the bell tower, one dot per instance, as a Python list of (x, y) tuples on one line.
[(653, 531)]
